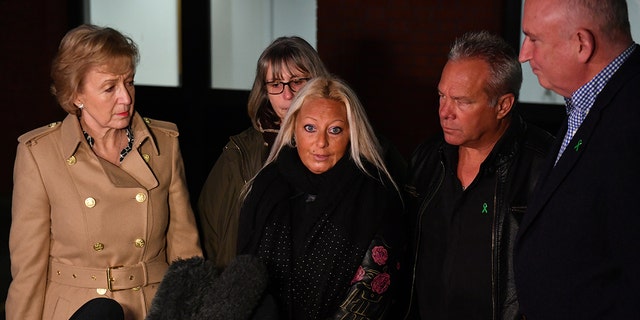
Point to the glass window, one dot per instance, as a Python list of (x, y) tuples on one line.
[(153, 25), (241, 29)]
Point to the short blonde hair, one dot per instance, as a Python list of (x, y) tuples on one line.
[(83, 48)]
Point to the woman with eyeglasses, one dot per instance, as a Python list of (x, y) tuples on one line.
[(283, 68)]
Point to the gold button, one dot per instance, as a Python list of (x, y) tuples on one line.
[(140, 243), (146, 120), (98, 246), (53, 124), (71, 161), (101, 291), (90, 202), (140, 197), (93, 278), (136, 288), (146, 157)]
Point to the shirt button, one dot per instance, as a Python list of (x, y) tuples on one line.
[(90, 202), (140, 197)]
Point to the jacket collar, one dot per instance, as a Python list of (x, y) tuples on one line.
[(72, 136), (505, 149), (141, 132)]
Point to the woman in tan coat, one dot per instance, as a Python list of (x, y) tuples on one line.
[(100, 203)]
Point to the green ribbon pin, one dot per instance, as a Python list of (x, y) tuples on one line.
[(484, 208), (578, 145)]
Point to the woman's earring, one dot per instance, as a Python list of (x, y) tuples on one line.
[(80, 106)]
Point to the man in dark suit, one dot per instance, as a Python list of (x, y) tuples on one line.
[(577, 253)]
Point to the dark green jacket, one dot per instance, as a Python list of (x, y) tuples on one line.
[(219, 204)]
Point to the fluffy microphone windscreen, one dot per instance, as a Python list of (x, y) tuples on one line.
[(195, 289)]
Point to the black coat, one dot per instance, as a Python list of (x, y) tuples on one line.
[(577, 254)]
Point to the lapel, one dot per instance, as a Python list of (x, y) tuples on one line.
[(134, 164), (133, 171), (551, 176)]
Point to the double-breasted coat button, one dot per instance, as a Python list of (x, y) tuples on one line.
[(146, 157), (139, 243), (71, 160), (90, 202), (98, 246), (141, 197)]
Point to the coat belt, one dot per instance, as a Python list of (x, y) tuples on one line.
[(111, 278)]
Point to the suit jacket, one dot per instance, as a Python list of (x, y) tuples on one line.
[(71, 208), (577, 253)]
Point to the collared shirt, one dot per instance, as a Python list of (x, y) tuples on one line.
[(454, 268), (581, 101)]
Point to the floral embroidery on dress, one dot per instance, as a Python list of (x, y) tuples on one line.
[(379, 254), (366, 298), (359, 275), (380, 283)]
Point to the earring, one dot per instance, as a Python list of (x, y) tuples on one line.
[(81, 106)]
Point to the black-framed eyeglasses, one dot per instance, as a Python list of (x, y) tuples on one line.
[(277, 87)]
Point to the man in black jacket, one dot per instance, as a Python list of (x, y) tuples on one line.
[(577, 254), (467, 189)]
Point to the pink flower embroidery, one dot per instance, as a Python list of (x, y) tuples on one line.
[(380, 283), (359, 275), (379, 254)]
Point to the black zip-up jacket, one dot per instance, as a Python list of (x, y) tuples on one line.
[(516, 159)]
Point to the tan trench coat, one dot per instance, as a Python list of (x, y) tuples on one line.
[(75, 215)]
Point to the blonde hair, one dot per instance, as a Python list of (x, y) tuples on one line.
[(363, 143), (83, 48)]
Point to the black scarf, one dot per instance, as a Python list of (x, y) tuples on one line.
[(312, 230)]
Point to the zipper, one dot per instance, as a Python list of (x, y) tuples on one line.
[(494, 305), (423, 207)]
